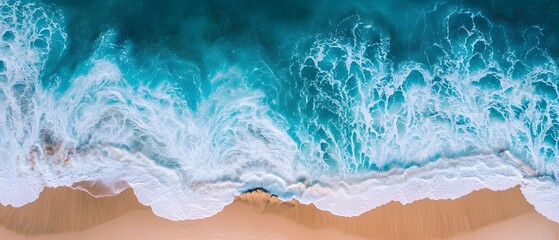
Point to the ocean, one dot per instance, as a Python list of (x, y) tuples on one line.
[(344, 104)]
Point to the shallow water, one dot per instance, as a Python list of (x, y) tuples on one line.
[(347, 105)]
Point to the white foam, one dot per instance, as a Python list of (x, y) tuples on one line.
[(190, 164), (543, 193), (442, 179)]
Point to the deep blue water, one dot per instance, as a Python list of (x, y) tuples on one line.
[(267, 94)]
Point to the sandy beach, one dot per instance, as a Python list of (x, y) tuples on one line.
[(65, 213)]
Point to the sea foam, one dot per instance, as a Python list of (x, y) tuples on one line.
[(344, 126)]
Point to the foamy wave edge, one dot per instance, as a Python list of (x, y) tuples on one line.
[(443, 179), (174, 199)]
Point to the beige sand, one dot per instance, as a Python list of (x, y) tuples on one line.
[(65, 213), (530, 226)]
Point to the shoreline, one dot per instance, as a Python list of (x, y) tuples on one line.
[(65, 213)]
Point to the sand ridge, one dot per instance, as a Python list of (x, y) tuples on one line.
[(65, 213), (65, 209)]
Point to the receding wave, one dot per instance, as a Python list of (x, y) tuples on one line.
[(334, 117)]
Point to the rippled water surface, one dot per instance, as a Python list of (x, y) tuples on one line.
[(347, 104)]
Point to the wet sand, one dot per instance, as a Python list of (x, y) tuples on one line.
[(65, 213)]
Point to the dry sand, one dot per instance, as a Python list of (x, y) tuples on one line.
[(65, 213)]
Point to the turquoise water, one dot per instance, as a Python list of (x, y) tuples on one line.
[(192, 102)]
